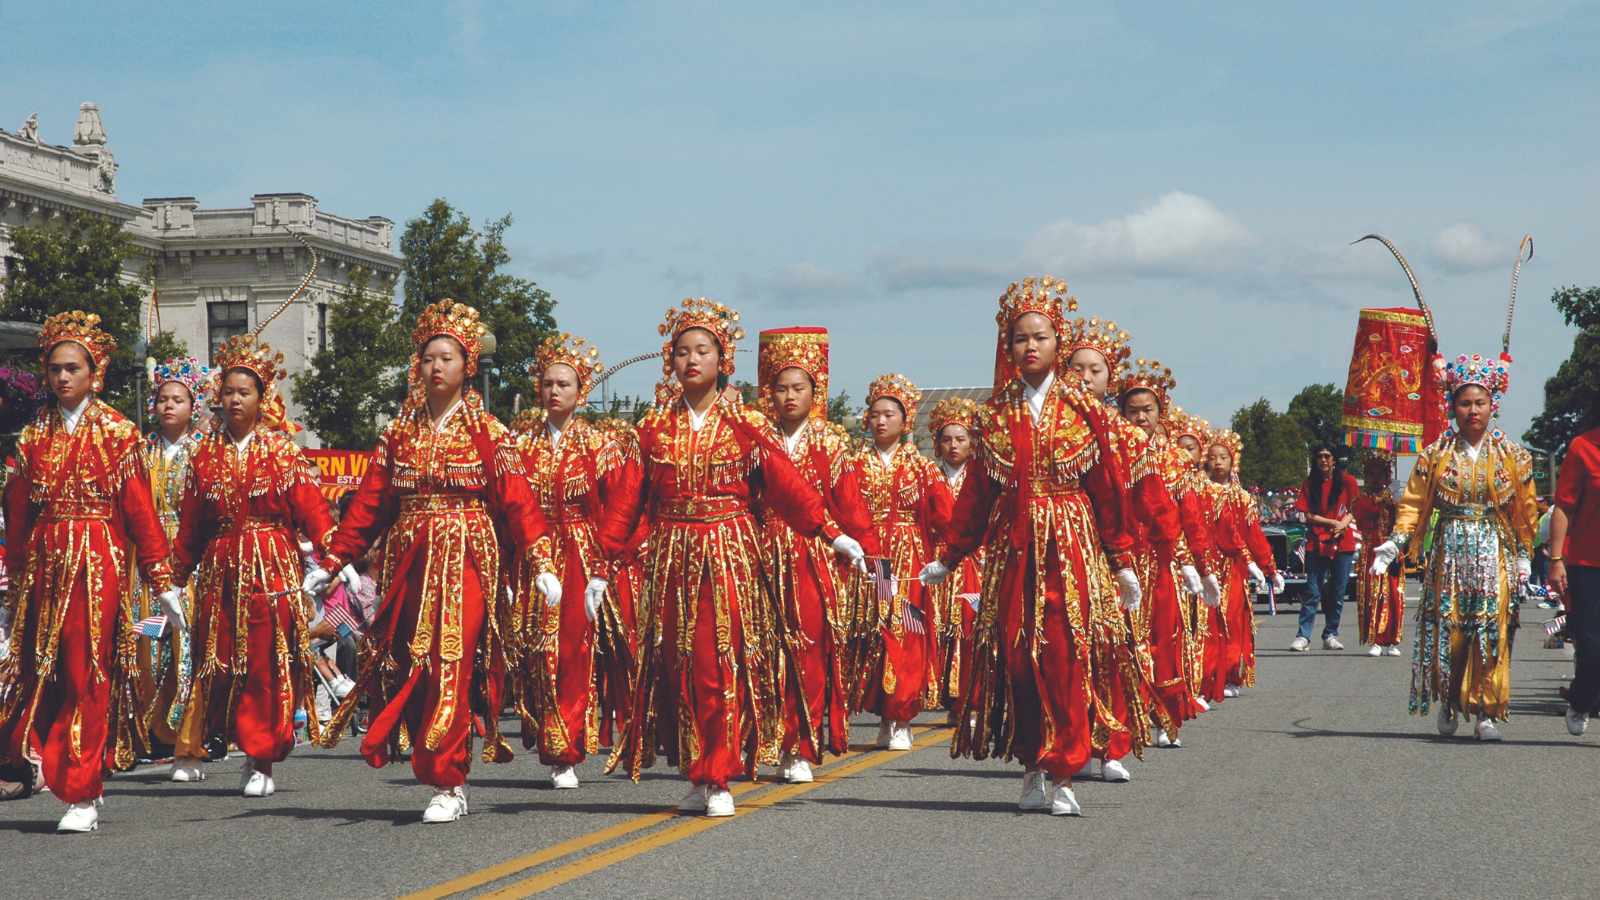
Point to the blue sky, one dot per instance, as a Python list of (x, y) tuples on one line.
[(885, 170)]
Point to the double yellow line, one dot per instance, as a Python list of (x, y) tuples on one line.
[(843, 766)]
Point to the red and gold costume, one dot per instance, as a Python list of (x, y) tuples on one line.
[(78, 507), (570, 672), (711, 633), (444, 496), (1051, 653), (957, 597), (243, 505), (1238, 541), (910, 504), (1380, 599), (1189, 491), (818, 599)]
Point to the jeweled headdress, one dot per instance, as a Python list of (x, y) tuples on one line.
[(449, 318), (187, 371), (802, 347), (1148, 375), (1181, 423), (81, 328), (1045, 295), (1228, 439), (246, 352), (900, 389), (1493, 375), (570, 350), (700, 312), (1104, 338), (953, 411)]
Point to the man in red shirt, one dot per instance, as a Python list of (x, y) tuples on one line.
[(1325, 499), (1575, 567)]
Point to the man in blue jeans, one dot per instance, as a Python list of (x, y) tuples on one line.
[(1325, 499)]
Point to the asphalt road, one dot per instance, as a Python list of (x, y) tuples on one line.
[(1314, 783)]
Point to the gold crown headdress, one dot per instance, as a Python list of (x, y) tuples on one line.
[(1045, 295), (1148, 375), (1229, 440), (453, 319), (1182, 423), (569, 350), (700, 312), (802, 347), (247, 353), (953, 411), (1104, 338), (899, 388), (81, 328)]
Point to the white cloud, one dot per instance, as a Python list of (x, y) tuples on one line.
[(1463, 247), (1179, 233), (901, 273), (802, 281)]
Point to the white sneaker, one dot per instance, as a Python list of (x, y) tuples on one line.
[(1034, 796), (1299, 644), (187, 771), (1374, 650), (719, 803), (1162, 740), (796, 770), (695, 800), (1577, 722), (80, 818), (1115, 772), (341, 687), (563, 778), (899, 736), (1331, 642), (885, 727), (259, 785), (446, 806), (1201, 702), (1062, 802), (1486, 730), (1448, 723), (1230, 691), (1392, 651)]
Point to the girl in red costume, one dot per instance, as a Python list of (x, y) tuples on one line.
[(1242, 551), (951, 424), (1380, 599)]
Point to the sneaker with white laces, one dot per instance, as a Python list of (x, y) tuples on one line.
[(1392, 651), (1034, 795), (447, 805), (1486, 730), (899, 736), (719, 803), (695, 800), (1331, 642), (1300, 644), (1230, 692), (80, 818), (259, 784), (563, 778), (1374, 650), (1577, 722), (1447, 722), (1062, 801), (1115, 772), (187, 771)]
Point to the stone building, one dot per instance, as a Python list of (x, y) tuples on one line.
[(218, 272)]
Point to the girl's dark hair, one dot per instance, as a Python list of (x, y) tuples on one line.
[(261, 389), (1314, 481), (897, 403)]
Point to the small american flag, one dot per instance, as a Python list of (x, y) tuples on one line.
[(339, 617), (915, 624), (883, 574), (1554, 626), (153, 627)]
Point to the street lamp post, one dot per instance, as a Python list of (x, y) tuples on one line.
[(486, 347)]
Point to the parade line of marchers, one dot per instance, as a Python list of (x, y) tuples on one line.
[(719, 585)]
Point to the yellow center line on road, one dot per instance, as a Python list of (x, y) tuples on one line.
[(668, 836), (582, 842)]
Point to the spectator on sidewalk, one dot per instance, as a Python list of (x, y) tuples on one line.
[(1575, 566), (1325, 500)]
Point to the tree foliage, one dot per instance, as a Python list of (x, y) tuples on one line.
[(1572, 395), (445, 256), (1274, 447), (1317, 411), (349, 387)]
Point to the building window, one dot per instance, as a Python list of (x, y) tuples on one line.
[(224, 320), (322, 327)]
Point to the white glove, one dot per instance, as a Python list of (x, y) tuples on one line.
[(351, 579), (1277, 582), (550, 586), (171, 601), (850, 550), (1191, 579), (593, 596), (933, 573), (1524, 569), (1213, 592), (1384, 556), (1128, 589), (316, 584), (1257, 575)]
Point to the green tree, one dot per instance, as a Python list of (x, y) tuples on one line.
[(78, 261), (445, 256), (1572, 395), (1274, 448), (1317, 411), (349, 386)]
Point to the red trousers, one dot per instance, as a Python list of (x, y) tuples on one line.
[(903, 676), (574, 674), (1047, 683), (71, 726), (1169, 647), (264, 701), (712, 692), (1231, 644), (814, 683)]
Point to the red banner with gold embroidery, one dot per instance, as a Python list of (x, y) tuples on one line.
[(1391, 394)]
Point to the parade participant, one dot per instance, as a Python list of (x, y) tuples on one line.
[(1380, 598), (77, 506), (1050, 651), (910, 505), (1330, 547), (1575, 563), (1189, 433), (951, 424), (180, 390), (1173, 575), (710, 641), (248, 492), (1244, 559), (564, 652), (817, 600), (445, 490)]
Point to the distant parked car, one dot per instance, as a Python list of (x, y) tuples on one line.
[(1288, 553)]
